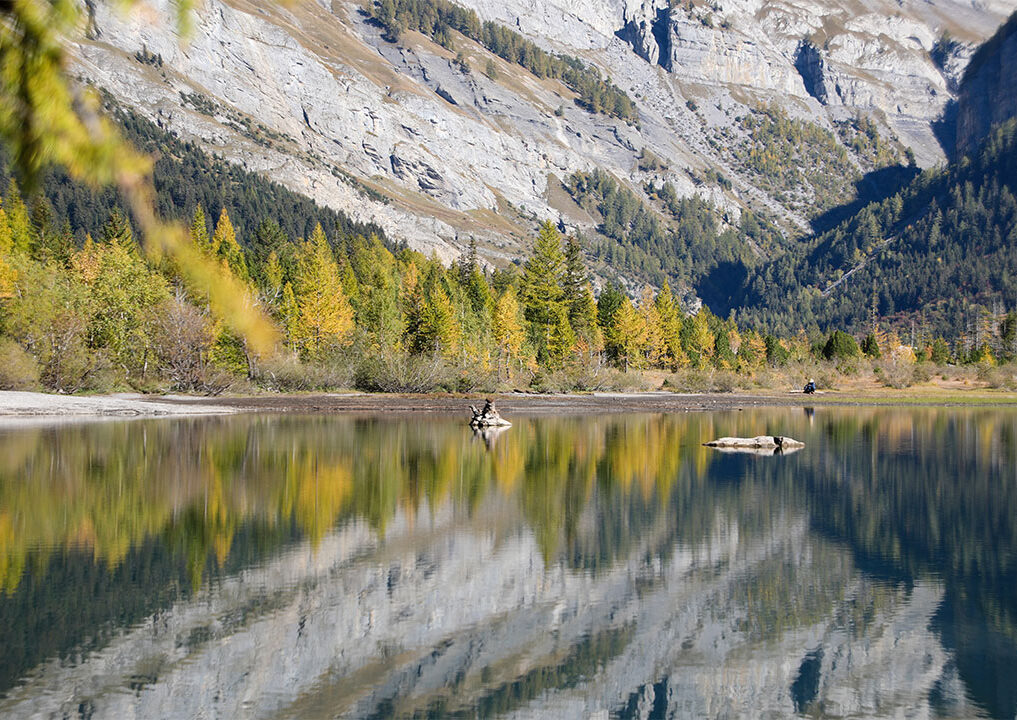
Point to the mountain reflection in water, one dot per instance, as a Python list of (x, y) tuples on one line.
[(303, 567)]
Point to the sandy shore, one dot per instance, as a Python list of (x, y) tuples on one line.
[(14, 405)]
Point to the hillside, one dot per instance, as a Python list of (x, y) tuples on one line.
[(440, 122), (939, 255), (942, 252)]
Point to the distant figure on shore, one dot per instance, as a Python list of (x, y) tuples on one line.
[(810, 387)]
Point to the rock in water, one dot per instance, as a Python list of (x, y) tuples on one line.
[(761, 442), (488, 417)]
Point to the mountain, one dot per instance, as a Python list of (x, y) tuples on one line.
[(941, 253), (988, 95), (440, 122)]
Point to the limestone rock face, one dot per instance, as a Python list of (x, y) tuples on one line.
[(312, 95)]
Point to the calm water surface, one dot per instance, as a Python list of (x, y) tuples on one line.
[(598, 566)]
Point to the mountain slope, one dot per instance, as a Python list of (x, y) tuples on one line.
[(940, 251), (437, 145)]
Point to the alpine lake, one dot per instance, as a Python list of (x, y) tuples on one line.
[(572, 566)]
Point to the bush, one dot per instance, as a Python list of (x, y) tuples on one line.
[(1003, 377), (18, 369), (399, 372), (841, 346), (589, 376), (895, 374), (285, 373)]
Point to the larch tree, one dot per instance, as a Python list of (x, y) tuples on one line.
[(325, 314), (628, 335), (671, 328), (654, 348), (697, 340), (123, 290), (227, 248), (199, 231), (18, 220), (508, 330)]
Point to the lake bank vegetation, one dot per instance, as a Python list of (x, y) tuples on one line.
[(354, 311)]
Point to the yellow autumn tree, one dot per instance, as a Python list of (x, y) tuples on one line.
[(324, 315), (629, 332), (8, 277), (226, 247), (654, 348), (508, 331)]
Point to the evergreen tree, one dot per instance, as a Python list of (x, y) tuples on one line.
[(543, 293)]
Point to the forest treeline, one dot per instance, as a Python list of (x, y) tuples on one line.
[(438, 18), (349, 309)]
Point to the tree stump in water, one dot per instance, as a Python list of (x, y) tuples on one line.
[(488, 417)]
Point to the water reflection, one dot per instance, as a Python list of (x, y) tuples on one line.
[(366, 567)]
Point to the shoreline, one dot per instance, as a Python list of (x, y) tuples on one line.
[(17, 407)]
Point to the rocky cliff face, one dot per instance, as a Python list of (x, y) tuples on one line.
[(314, 97)]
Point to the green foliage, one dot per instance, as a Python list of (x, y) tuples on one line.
[(841, 346), (870, 346), (436, 18), (680, 243), (18, 369), (788, 155), (939, 250)]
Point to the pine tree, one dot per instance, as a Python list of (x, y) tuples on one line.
[(610, 300), (543, 294)]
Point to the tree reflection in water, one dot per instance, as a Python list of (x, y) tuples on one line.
[(104, 525)]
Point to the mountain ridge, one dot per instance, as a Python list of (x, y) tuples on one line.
[(436, 152)]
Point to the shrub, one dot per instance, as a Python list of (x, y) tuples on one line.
[(400, 372), (1003, 377), (895, 374), (841, 346), (706, 381), (18, 369), (285, 373)]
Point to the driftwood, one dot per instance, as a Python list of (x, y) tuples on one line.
[(766, 443), (488, 417)]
